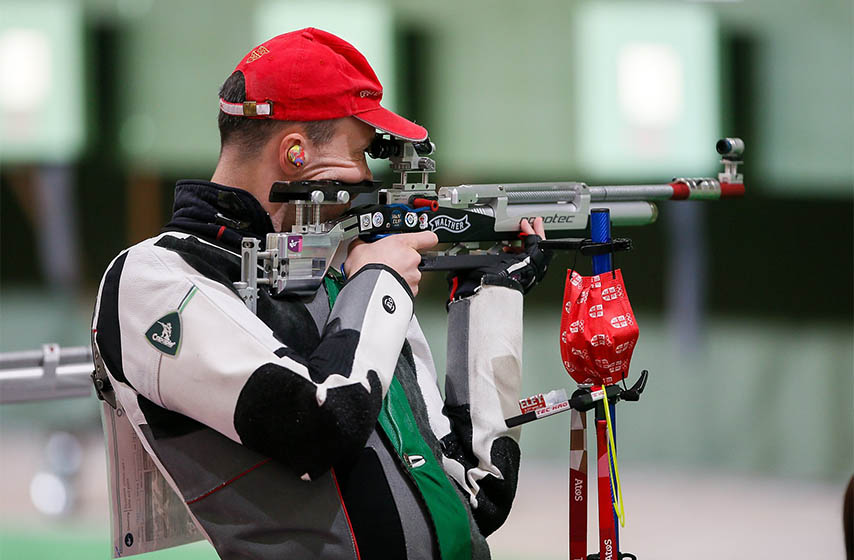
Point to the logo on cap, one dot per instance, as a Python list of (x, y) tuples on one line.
[(257, 53)]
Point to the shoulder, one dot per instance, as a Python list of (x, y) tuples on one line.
[(163, 269), (174, 253)]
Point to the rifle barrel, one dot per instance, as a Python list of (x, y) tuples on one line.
[(679, 189), (531, 197), (631, 192)]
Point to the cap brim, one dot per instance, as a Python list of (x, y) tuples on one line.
[(391, 123)]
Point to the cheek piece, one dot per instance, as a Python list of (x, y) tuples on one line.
[(296, 155)]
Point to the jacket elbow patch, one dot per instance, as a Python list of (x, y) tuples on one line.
[(457, 445), (496, 495), (334, 355), (277, 414)]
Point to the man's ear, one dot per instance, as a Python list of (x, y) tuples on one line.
[(293, 154)]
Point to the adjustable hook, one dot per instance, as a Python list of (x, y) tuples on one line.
[(634, 393)]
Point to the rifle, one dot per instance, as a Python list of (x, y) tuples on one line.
[(465, 216)]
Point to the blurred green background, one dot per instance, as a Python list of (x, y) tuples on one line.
[(745, 306)]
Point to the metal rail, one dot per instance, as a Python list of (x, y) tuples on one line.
[(50, 373)]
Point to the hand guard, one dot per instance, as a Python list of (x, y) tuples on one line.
[(520, 271)]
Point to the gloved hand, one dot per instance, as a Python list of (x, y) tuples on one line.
[(518, 270)]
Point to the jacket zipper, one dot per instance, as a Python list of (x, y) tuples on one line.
[(411, 476), (390, 416)]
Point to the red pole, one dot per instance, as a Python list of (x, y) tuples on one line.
[(607, 530), (578, 486)]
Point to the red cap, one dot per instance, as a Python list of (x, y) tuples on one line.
[(312, 75)]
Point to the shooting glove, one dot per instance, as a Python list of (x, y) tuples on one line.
[(520, 271)]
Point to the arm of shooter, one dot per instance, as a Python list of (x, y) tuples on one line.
[(186, 342), (482, 387)]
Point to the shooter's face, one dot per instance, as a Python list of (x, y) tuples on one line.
[(341, 159)]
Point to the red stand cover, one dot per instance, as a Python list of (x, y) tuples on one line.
[(598, 328)]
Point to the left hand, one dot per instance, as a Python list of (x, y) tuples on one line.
[(519, 268), (537, 229)]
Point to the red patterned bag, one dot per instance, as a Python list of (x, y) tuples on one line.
[(598, 328)]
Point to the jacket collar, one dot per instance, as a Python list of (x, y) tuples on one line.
[(218, 213)]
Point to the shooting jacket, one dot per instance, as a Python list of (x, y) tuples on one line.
[(312, 429)]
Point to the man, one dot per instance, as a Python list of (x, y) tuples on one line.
[(314, 429)]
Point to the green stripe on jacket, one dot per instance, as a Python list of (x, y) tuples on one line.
[(448, 515)]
